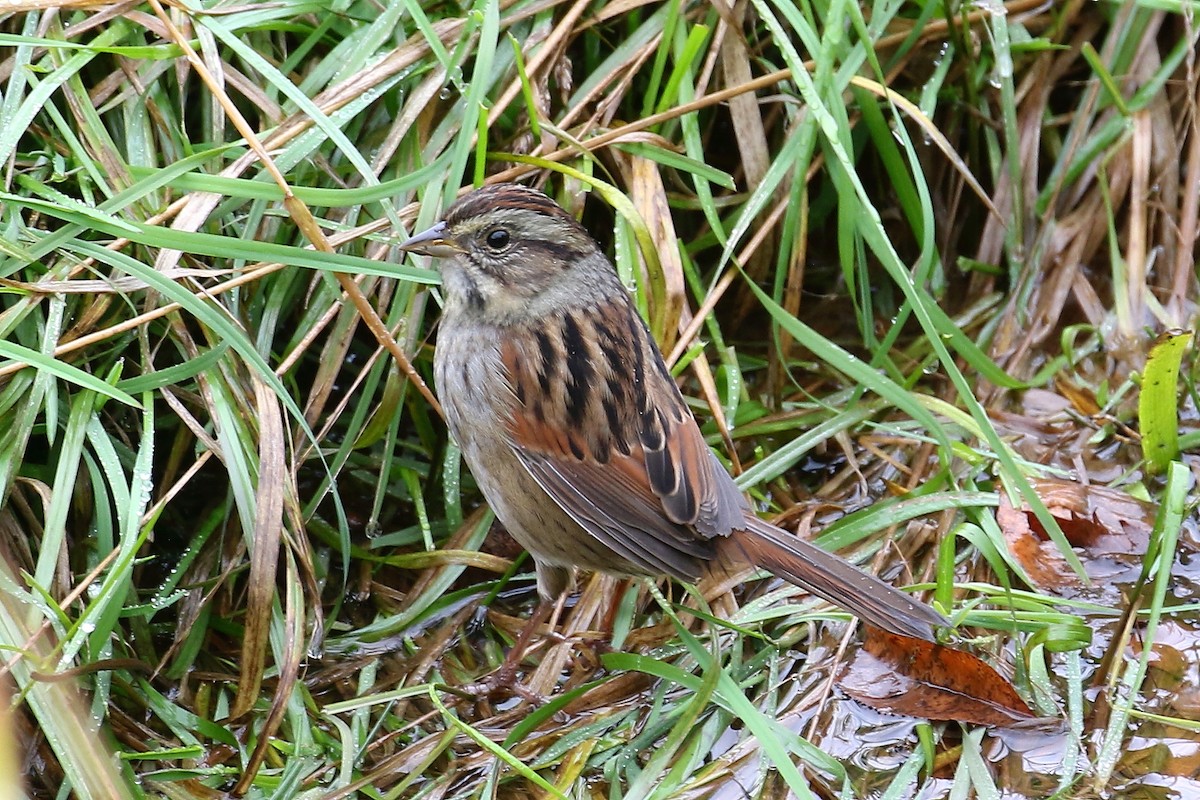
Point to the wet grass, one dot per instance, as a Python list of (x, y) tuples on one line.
[(913, 260)]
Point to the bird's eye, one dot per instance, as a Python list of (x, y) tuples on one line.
[(497, 239)]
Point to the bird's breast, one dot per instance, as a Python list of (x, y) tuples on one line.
[(472, 384)]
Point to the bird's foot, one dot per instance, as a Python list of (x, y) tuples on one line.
[(504, 682)]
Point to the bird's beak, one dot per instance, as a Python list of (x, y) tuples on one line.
[(433, 242)]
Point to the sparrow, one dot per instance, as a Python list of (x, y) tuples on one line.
[(574, 429)]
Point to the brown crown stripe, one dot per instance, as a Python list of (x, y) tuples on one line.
[(504, 195)]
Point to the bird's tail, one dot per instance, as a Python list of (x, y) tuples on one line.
[(834, 579)]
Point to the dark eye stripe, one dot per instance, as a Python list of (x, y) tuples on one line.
[(559, 252)]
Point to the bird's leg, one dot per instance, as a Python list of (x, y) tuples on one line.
[(504, 678)]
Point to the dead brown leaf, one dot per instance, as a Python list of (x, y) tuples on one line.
[(1101, 521), (1039, 558), (903, 675)]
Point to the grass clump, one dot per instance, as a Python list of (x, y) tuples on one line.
[(905, 258)]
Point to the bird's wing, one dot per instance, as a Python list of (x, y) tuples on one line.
[(601, 426)]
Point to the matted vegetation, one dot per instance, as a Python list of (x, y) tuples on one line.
[(908, 260)]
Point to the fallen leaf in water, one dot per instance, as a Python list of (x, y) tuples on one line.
[(1097, 519), (1038, 557), (903, 675)]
